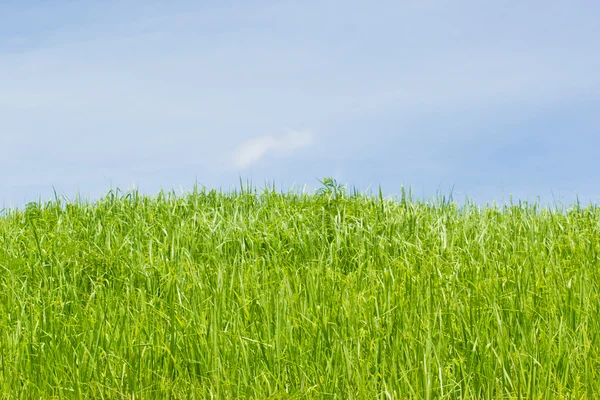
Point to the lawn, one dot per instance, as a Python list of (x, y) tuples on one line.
[(265, 294)]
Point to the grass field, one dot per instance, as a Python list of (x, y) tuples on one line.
[(265, 294)]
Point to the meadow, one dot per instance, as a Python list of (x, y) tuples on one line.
[(254, 294)]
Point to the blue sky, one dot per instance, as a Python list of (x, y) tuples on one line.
[(491, 98)]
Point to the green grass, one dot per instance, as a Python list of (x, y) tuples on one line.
[(289, 295)]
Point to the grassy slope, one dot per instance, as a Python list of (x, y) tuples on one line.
[(294, 296)]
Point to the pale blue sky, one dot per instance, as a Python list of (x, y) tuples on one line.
[(493, 98)]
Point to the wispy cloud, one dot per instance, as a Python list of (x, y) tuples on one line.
[(251, 151)]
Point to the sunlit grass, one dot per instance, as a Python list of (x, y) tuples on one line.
[(292, 295)]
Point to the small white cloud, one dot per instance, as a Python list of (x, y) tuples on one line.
[(251, 151)]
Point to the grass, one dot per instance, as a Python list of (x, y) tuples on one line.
[(301, 296)]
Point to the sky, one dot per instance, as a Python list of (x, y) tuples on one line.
[(484, 100)]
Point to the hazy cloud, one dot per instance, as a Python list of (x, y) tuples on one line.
[(251, 151), (166, 93)]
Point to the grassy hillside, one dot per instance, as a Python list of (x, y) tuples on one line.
[(288, 295)]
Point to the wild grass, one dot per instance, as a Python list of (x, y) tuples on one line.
[(294, 295)]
